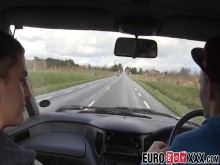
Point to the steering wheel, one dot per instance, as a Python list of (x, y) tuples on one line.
[(183, 120)]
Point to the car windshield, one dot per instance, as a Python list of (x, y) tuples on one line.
[(76, 67)]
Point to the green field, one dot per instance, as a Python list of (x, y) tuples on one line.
[(178, 98), (186, 95), (48, 81)]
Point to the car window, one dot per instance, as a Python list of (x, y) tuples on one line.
[(65, 67)]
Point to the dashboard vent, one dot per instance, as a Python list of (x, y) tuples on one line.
[(147, 143), (98, 142), (122, 143)]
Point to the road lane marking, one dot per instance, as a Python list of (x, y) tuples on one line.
[(107, 88), (68, 91), (82, 87), (39, 100), (146, 104), (139, 94), (48, 97), (135, 89), (91, 104)]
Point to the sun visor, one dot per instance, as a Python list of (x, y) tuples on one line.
[(138, 25), (189, 27), (60, 18)]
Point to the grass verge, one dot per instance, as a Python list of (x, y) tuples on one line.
[(179, 99), (175, 106), (46, 81)]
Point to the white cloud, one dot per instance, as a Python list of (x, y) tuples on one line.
[(97, 48)]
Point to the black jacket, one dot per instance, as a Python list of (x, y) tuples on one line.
[(12, 154)]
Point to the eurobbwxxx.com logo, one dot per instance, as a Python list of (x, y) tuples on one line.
[(184, 157)]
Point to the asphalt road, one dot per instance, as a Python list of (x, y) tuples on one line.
[(109, 92)]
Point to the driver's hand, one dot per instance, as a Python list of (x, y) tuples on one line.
[(158, 146)]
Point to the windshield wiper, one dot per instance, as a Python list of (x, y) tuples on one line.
[(152, 112), (102, 110), (114, 110), (69, 107), (126, 111)]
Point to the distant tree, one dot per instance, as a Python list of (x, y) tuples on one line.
[(36, 58), (104, 67), (165, 73), (69, 62), (50, 62), (120, 68), (134, 70), (127, 70), (56, 62), (88, 66), (140, 71), (114, 68), (185, 72)]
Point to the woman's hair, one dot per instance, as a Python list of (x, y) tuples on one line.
[(10, 48)]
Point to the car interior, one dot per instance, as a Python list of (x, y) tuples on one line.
[(62, 138)]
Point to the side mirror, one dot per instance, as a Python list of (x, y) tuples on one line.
[(44, 103), (134, 47)]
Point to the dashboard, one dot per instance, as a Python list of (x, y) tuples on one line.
[(74, 138)]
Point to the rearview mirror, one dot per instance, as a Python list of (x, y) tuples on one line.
[(134, 47)]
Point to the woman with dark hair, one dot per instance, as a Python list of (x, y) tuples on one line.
[(13, 94)]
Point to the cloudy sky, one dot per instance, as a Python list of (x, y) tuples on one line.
[(96, 48)]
